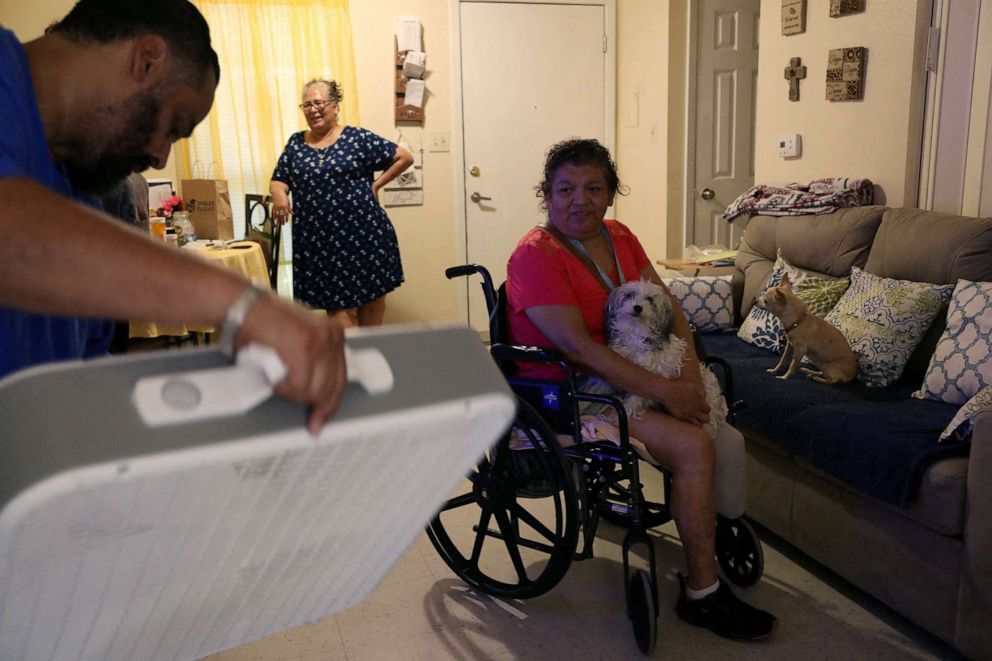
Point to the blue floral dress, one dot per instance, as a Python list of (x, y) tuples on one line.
[(345, 252)]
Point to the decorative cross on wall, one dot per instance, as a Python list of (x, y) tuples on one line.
[(794, 73)]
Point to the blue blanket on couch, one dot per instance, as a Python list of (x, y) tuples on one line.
[(877, 440)]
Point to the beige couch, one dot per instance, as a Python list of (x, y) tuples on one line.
[(932, 561)]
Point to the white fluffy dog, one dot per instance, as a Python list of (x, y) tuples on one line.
[(639, 325)]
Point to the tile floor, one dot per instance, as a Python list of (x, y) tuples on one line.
[(421, 610)]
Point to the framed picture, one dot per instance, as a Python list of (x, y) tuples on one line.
[(846, 74), (840, 8)]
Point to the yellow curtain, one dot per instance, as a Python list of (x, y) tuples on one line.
[(267, 49)]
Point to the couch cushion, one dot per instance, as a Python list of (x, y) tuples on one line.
[(883, 319), (962, 362), (925, 246), (825, 246), (879, 441)]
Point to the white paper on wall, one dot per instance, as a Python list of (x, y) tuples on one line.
[(407, 33), (414, 93), (414, 64)]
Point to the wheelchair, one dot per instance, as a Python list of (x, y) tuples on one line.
[(535, 498)]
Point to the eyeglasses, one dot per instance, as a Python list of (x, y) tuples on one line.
[(319, 105)]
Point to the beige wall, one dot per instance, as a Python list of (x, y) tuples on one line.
[(877, 137), (643, 120)]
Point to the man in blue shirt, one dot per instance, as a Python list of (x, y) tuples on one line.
[(105, 92)]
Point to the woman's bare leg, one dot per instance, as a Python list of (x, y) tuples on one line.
[(688, 453), (372, 313), (347, 317)]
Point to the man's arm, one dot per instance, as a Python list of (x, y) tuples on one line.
[(62, 258)]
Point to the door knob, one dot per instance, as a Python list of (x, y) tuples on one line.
[(707, 194), (475, 171), (475, 197)]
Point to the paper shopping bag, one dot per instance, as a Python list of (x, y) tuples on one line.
[(209, 204)]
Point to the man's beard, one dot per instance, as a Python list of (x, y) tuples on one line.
[(96, 162)]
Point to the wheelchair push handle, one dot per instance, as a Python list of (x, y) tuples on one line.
[(466, 270), (487, 281)]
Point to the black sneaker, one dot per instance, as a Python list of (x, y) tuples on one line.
[(723, 613)]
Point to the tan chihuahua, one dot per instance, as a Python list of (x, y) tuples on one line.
[(808, 335)]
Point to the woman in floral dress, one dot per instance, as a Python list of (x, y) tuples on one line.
[(345, 254)]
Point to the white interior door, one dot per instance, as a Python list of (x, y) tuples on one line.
[(956, 163), (532, 74), (726, 65)]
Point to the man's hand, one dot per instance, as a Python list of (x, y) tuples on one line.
[(312, 348)]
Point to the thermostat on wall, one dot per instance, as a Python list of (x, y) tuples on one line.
[(790, 146)]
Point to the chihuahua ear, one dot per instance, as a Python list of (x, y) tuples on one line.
[(785, 280)]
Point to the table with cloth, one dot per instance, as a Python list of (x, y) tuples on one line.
[(244, 257)]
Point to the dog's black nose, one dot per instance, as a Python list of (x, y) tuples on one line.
[(638, 309)]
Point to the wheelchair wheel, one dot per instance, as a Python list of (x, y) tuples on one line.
[(525, 511), (738, 550), (641, 611)]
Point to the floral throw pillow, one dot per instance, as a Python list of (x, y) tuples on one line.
[(819, 294), (962, 362), (960, 426), (706, 301), (761, 328), (883, 320)]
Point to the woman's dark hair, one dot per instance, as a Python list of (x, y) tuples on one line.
[(332, 87), (578, 152), (178, 22)]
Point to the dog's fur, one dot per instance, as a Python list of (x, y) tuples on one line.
[(808, 335), (639, 325)]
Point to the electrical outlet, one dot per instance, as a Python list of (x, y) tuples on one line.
[(439, 141)]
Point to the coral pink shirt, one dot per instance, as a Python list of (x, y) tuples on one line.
[(542, 272)]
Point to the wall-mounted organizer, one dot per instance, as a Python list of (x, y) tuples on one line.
[(410, 62), (404, 111)]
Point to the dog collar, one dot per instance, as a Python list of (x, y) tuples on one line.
[(797, 322)]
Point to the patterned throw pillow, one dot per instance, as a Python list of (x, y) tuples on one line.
[(762, 328), (960, 427), (706, 301), (962, 362), (883, 320)]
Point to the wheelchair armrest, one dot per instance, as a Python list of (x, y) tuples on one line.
[(532, 354), (727, 381)]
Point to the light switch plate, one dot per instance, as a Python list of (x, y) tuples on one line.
[(439, 141)]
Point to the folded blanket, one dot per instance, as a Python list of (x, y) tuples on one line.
[(817, 197)]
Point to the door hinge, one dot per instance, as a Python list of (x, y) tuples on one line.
[(933, 49), (604, 42)]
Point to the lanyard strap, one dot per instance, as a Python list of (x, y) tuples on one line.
[(575, 247)]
